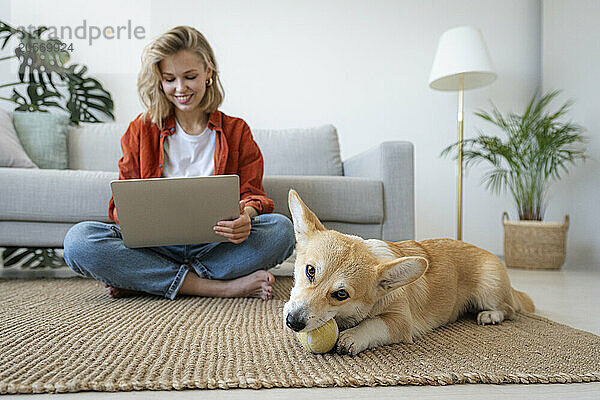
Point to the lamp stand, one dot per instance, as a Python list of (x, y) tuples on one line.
[(461, 93)]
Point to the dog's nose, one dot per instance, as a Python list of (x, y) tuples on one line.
[(294, 323)]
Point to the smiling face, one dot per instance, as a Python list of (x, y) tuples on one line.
[(184, 80)]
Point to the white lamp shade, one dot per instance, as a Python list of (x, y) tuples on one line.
[(462, 53)]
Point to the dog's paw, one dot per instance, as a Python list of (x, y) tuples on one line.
[(351, 342), (490, 317)]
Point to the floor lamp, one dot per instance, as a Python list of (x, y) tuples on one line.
[(462, 62)]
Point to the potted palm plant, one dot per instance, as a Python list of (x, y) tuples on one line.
[(539, 147)]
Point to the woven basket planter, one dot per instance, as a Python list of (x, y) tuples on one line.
[(534, 244)]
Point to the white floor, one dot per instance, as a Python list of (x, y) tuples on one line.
[(568, 296)]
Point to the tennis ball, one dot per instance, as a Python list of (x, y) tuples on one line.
[(322, 339)]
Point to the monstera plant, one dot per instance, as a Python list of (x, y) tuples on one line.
[(44, 81), (48, 81)]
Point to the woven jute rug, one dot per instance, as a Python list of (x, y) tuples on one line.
[(67, 335)]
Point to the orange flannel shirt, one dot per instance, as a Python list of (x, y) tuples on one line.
[(236, 153)]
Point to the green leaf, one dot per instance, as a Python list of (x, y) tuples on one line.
[(15, 258), (40, 60), (87, 96), (9, 251), (6, 32), (39, 99), (32, 258)]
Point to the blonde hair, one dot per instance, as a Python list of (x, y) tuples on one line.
[(158, 107)]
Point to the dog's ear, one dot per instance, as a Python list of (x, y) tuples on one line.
[(305, 221), (399, 272)]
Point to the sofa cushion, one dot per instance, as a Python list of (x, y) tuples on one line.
[(54, 195), (12, 153), (44, 137), (331, 198), (96, 147), (312, 151)]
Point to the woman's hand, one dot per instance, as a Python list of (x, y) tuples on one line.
[(238, 230)]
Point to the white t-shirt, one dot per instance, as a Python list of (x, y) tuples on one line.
[(189, 155)]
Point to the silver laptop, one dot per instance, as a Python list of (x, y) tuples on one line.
[(175, 211)]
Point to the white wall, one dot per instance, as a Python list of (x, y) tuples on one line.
[(571, 62), (361, 65)]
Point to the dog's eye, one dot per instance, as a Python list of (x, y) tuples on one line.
[(340, 295), (310, 272)]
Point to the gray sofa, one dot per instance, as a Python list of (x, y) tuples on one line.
[(370, 195)]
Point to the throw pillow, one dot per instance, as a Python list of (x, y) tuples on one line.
[(11, 151), (44, 137)]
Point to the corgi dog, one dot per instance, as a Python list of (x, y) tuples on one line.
[(390, 292)]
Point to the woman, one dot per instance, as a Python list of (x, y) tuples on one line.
[(182, 133)]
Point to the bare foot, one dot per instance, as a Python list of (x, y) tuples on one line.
[(117, 293), (257, 284)]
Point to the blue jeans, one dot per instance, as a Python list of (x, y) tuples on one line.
[(96, 250)]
